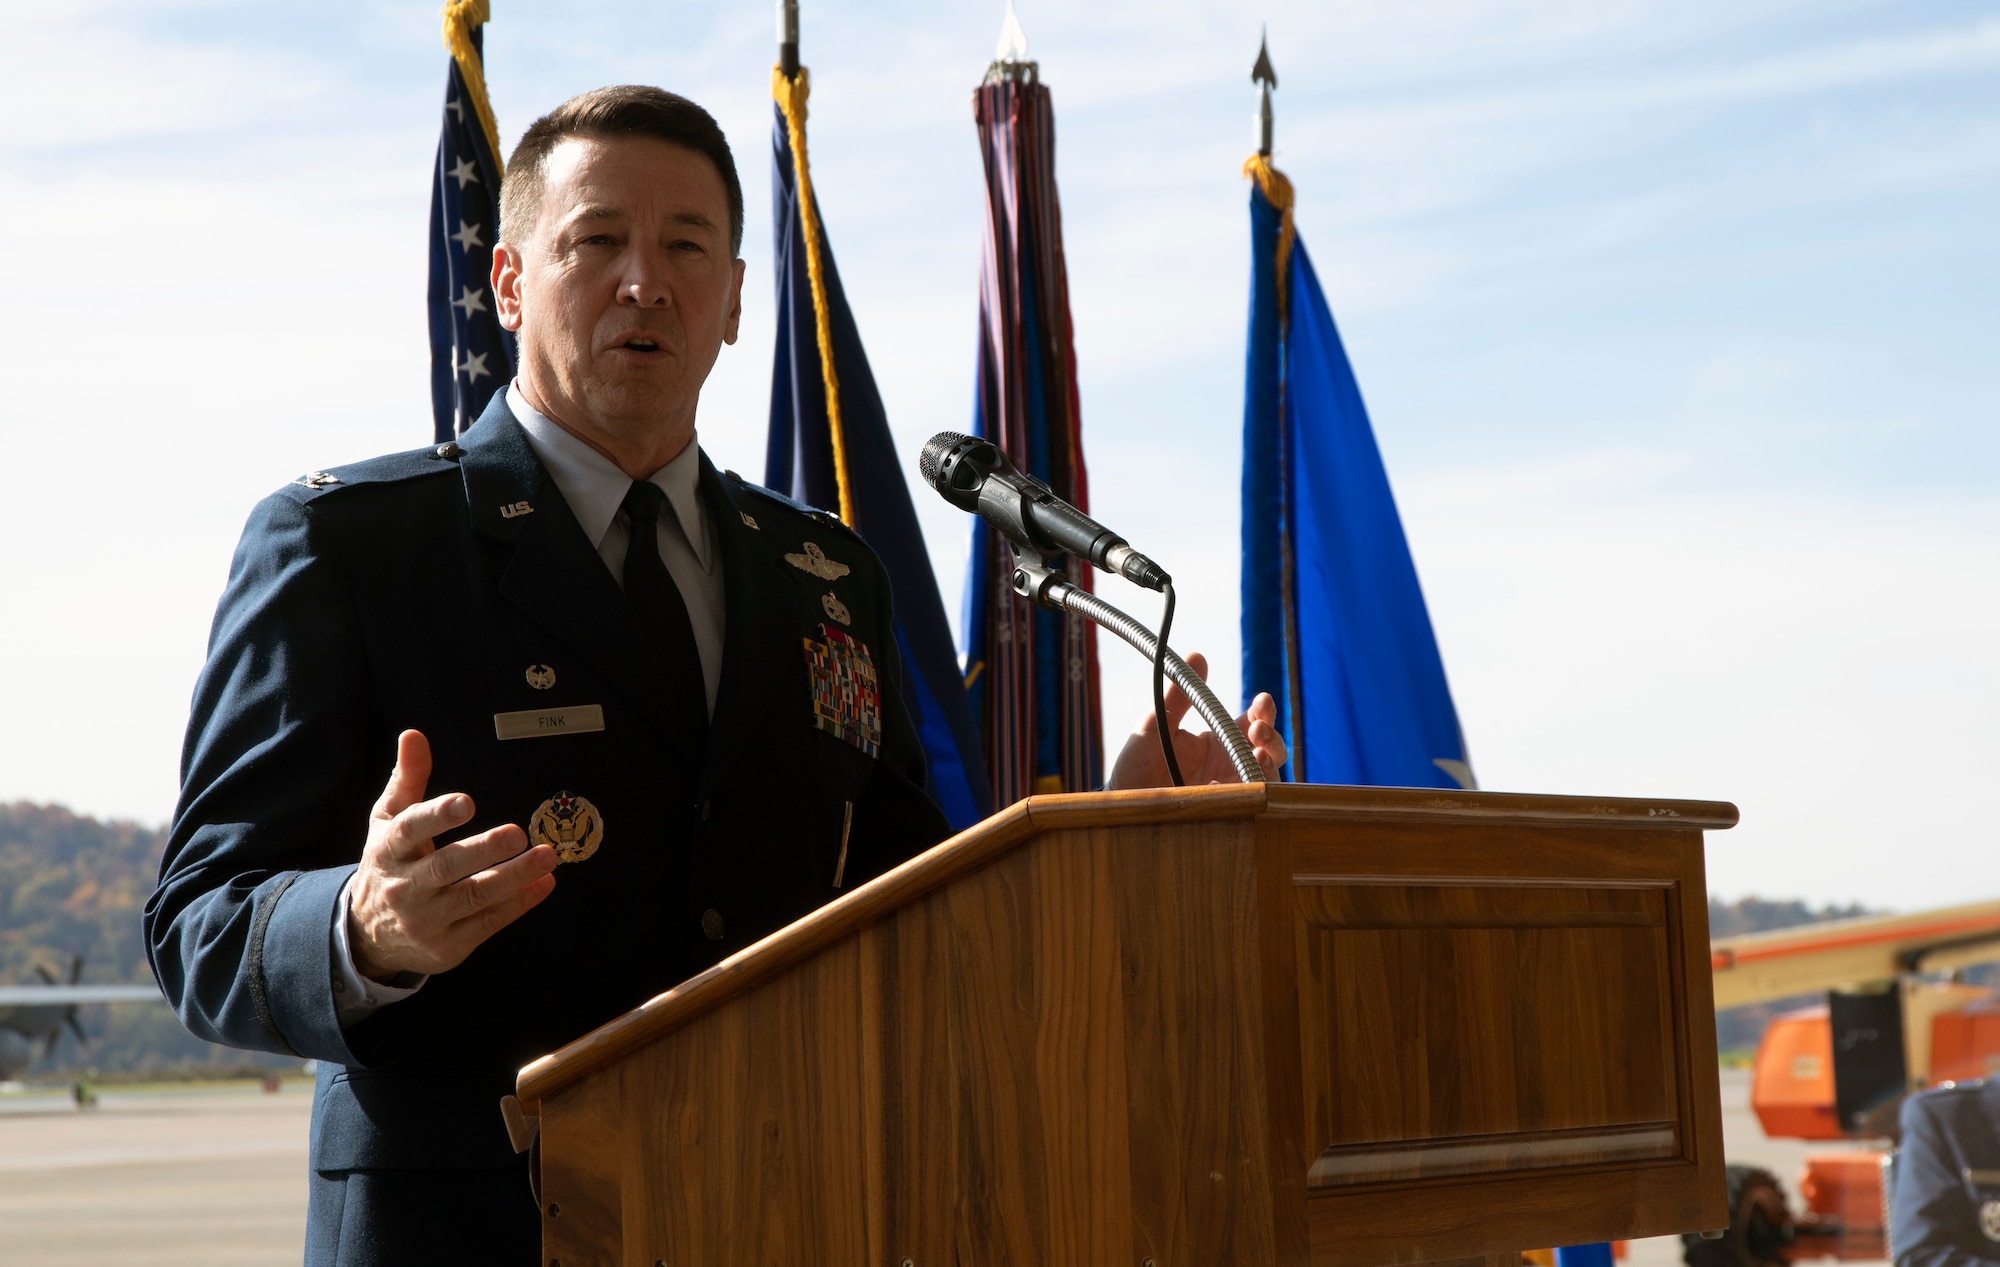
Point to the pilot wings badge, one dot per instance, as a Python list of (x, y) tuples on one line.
[(568, 824), (814, 560)]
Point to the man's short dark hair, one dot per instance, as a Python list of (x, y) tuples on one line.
[(625, 110)]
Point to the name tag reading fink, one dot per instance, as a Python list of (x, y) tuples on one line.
[(533, 723)]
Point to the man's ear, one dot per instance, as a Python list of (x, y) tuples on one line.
[(735, 300), (507, 285)]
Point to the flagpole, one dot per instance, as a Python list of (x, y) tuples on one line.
[(1277, 190), (790, 87), (788, 38)]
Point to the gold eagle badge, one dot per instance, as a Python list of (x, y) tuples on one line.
[(568, 824)]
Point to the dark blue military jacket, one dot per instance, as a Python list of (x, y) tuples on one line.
[(417, 591), (1946, 1208)]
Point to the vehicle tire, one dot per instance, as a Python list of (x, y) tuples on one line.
[(1760, 1225)]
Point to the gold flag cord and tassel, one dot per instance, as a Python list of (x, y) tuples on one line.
[(461, 19), (790, 93), (1277, 190)]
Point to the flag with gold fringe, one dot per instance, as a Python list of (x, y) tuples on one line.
[(471, 355), (1031, 673), (830, 446), (1334, 623)]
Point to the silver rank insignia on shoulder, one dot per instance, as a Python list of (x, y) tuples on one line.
[(814, 560), (748, 522), (1989, 1219), (541, 676), (836, 609), (317, 479), (568, 824)]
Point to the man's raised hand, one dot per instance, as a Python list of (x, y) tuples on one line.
[(1202, 756), (417, 906)]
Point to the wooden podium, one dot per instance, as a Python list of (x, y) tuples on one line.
[(1180, 1028)]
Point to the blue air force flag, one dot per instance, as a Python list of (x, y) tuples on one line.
[(1334, 621)]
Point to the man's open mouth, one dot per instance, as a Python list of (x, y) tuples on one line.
[(638, 344)]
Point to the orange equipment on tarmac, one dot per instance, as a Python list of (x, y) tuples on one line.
[(1840, 1070)]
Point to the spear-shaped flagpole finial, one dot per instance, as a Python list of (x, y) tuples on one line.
[(1013, 45), (1267, 79), (1010, 55), (788, 38)]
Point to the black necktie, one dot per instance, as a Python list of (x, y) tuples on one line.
[(665, 632)]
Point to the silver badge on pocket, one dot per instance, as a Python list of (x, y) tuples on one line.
[(1989, 1219)]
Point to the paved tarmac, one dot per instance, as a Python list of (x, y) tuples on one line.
[(208, 1176), (216, 1177)]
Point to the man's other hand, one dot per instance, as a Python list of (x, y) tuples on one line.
[(1203, 758), (417, 906)]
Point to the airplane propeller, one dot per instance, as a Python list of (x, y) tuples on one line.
[(69, 1020)]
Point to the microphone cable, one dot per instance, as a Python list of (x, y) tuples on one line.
[(1160, 689)]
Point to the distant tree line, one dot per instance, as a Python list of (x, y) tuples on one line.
[(72, 886)]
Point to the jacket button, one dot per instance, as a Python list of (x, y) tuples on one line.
[(711, 923), (704, 809), (448, 450)]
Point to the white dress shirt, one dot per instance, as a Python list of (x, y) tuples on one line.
[(595, 489)]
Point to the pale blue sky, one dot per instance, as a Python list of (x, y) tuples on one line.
[(1677, 321)]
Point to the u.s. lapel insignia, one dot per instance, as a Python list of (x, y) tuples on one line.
[(814, 560), (541, 676), (846, 701), (748, 522), (835, 608), (1989, 1219), (568, 824)]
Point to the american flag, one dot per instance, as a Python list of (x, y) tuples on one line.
[(471, 356)]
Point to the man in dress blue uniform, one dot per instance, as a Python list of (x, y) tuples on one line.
[(1945, 1211), (658, 706)]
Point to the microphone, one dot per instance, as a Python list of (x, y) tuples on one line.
[(974, 475)]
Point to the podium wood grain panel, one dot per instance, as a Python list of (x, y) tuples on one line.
[(1200, 1156), (1564, 990), (1239, 1025)]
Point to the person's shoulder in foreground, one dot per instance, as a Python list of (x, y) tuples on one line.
[(1945, 1211)]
